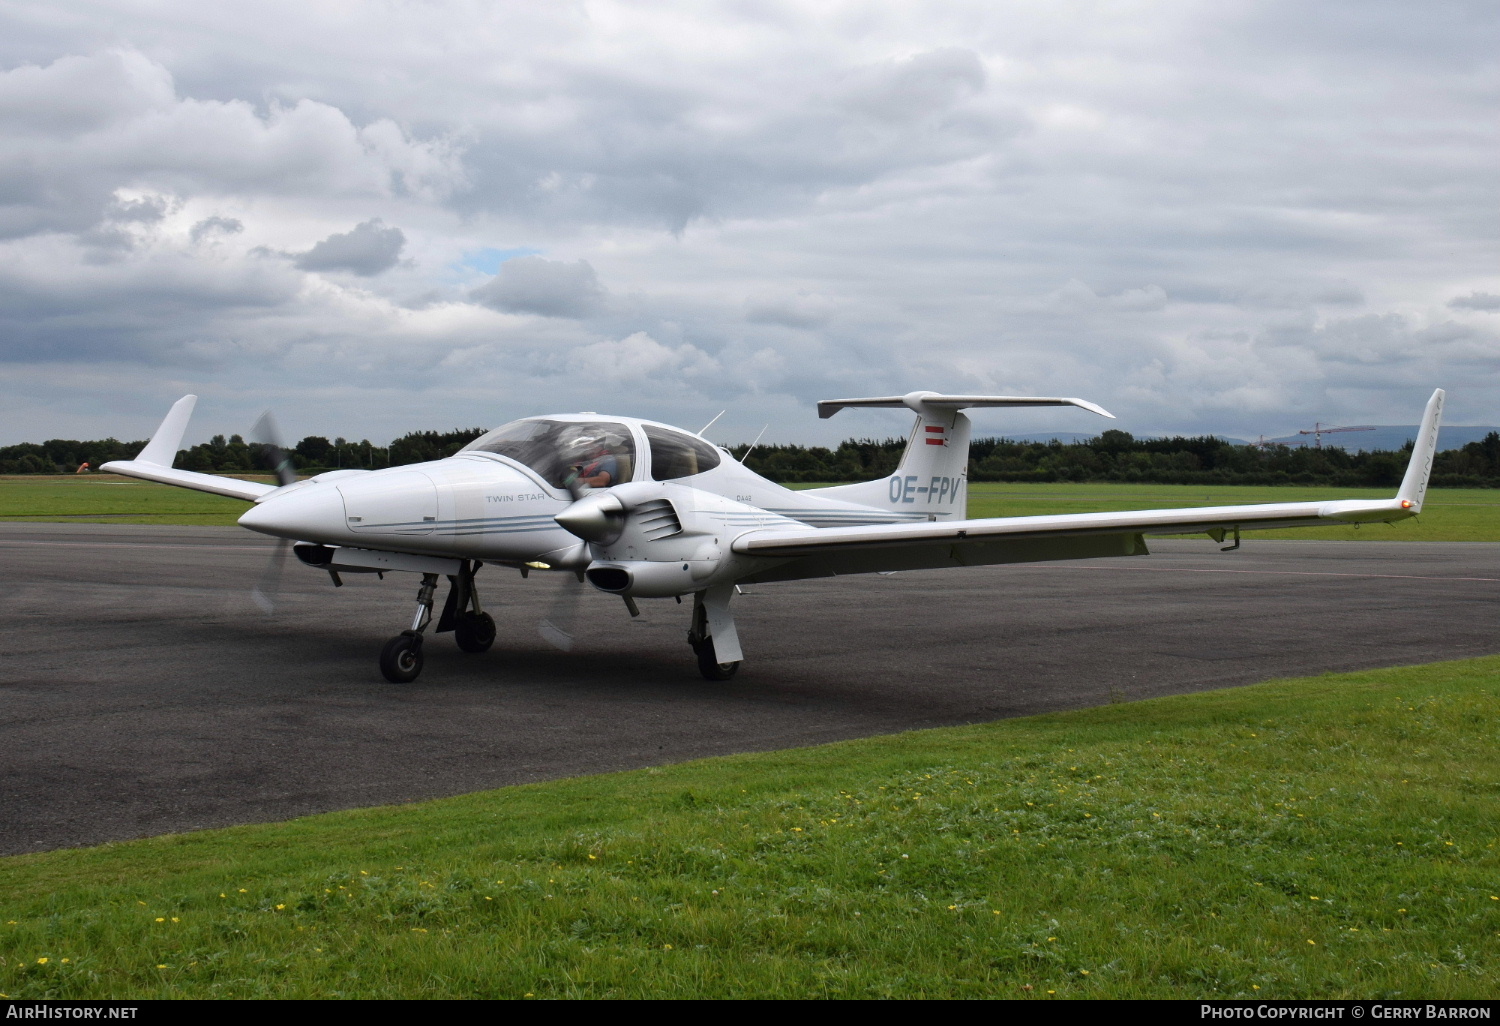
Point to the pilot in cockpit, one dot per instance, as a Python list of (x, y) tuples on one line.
[(594, 464)]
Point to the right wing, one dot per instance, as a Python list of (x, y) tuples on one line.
[(155, 461), (815, 552)]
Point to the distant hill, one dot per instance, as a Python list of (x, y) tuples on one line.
[(1077, 436), (1385, 438)]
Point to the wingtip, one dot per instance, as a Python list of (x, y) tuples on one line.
[(1093, 408)]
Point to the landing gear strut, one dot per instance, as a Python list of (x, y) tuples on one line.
[(712, 635), (401, 658)]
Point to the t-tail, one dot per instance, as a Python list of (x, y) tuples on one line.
[(933, 476)]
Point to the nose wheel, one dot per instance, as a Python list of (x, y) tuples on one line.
[(401, 658)]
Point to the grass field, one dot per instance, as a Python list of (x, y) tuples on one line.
[(1326, 837), (1450, 514), (106, 498)]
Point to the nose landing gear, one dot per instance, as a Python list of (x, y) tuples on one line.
[(401, 658), (472, 627)]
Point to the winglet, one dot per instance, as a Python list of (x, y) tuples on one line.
[(162, 449), (1419, 470)]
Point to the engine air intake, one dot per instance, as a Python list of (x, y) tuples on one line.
[(609, 578)]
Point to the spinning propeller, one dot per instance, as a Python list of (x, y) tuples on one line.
[(598, 516), (272, 451)]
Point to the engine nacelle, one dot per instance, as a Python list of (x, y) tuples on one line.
[(674, 541)]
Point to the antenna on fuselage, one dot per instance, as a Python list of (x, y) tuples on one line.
[(754, 444), (711, 423)]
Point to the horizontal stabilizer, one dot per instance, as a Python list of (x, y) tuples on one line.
[(928, 402)]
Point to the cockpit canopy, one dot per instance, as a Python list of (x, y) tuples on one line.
[(557, 449), (677, 453)]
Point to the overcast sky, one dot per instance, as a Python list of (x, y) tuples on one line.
[(1236, 217)]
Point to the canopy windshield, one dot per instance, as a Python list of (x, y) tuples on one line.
[(558, 449)]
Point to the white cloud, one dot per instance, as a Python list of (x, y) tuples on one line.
[(1210, 218), (801, 310), (367, 249), (1476, 300), (551, 288), (634, 360)]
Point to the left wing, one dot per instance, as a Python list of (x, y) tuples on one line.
[(155, 461), (814, 552)]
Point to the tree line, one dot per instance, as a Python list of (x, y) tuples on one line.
[(1112, 456), (233, 455), (1119, 456)]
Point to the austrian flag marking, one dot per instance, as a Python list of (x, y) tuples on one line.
[(937, 435)]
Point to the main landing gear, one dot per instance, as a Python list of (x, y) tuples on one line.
[(712, 635), (472, 627)]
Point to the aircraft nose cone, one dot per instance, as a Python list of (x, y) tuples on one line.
[(311, 512)]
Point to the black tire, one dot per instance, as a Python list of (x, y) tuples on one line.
[(401, 659), (708, 662), (475, 633)]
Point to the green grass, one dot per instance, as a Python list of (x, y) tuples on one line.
[(106, 498), (1450, 514), (1325, 837)]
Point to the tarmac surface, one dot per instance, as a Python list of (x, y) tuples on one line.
[(142, 692)]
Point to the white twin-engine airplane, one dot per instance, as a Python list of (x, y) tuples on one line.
[(645, 510)]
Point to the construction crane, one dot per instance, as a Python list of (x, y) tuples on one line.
[(1267, 443), (1318, 431)]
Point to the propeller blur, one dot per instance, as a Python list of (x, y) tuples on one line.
[(645, 510)]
